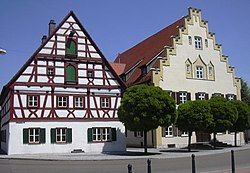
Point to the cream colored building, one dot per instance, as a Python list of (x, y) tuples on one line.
[(185, 60)]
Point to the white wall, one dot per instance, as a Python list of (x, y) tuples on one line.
[(79, 138)]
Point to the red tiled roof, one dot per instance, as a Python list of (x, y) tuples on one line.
[(148, 49), (118, 67)]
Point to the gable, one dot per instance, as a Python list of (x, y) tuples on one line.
[(54, 49)]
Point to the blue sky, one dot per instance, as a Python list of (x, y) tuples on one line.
[(116, 25)]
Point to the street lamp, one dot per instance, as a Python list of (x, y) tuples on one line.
[(2, 51)]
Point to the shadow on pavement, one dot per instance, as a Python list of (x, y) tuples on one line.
[(132, 153)]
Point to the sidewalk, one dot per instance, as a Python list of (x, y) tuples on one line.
[(132, 153)]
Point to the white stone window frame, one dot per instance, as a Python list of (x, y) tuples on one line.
[(78, 102), (61, 135), (101, 134), (184, 134), (33, 101), (199, 72), (198, 42), (62, 101), (169, 131), (34, 136)]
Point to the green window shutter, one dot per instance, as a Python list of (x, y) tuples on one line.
[(113, 133), (90, 139), (69, 135), (70, 73), (53, 135), (25, 136), (71, 47), (42, 136)]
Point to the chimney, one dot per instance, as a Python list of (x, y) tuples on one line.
[(52, 26), (44, 38)]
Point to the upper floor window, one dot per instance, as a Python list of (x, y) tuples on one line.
[(62, 101), (90, 74), (230, 97), (199, 72), (201, 96), (189, 40), (78, 102), (206, 43), (169, 131), (70, 74), (105, 102), (50, 71), (71, 49), (198, 42), (183, 96), (188, 68), (144, 70), (33, 100)]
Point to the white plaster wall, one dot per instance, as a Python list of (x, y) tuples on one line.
[(179, 141), (79, 138)]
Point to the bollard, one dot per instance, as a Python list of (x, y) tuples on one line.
[(149, 165), (129, 168), (193, 164), (232, 161)]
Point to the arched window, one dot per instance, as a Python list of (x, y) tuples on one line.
[(71, 47), (70, 74)]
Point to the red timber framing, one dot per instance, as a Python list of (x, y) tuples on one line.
[(85, 55)]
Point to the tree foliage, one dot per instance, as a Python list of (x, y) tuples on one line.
[(224, 114), (245, 92), (144, 108), (193, 116), (243, 120)]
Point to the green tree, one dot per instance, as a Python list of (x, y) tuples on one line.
[(224, 115), (245, 92), (144, 108), (193, 116), (243, 121)]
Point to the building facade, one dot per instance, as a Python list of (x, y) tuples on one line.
[(185, 61), (64, 98)]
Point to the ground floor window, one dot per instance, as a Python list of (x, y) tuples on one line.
[(61, 135), (101, 134), (33, 136), (138, 134), (169, 131)]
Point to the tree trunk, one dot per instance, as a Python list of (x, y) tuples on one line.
[(235, 138), (145, 142), (189, 141), (214, 140)]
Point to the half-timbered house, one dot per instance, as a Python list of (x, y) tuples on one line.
[(185, 60), (64, 98)]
